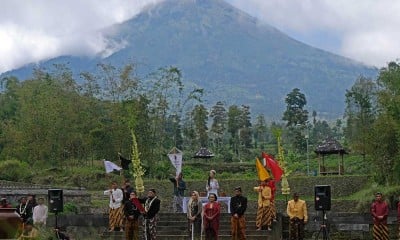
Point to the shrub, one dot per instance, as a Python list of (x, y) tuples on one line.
[(15, 170)]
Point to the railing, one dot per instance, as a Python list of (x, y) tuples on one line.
[(16, 185)]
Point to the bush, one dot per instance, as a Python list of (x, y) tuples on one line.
[(14, 170)]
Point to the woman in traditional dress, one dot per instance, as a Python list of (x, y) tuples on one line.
[(195, 208), (211, 214), (212, 183)]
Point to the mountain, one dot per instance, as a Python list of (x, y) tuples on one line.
[(232, 55)]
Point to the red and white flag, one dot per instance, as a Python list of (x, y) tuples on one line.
[(273, 165)]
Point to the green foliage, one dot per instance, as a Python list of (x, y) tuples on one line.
[(14, 170), (161, 170), (70, 208), (56, 125), (360, 113), (295, 112)]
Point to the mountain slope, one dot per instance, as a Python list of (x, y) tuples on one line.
[(232, 55)]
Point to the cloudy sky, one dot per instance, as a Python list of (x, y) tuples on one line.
[(366, 31)]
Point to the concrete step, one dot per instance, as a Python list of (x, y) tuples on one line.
[(262, 234), (174, 226)]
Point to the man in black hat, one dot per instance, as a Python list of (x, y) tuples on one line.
[(238, 222)]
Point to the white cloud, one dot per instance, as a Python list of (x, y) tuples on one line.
[(31, 31), (366, 30)]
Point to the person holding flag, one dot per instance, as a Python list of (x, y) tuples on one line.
[(116, 211), (273, 165), (179, 192), (132, 210), (264, 209)]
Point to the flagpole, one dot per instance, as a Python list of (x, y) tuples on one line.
[(284, 184), (138, 170)]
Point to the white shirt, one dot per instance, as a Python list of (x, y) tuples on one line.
[(40, 214), (117, 194), (213, 188)]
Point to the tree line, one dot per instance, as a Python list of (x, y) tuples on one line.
[(56, 118)]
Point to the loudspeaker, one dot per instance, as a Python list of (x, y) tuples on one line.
[(55, 199), (322, 197)]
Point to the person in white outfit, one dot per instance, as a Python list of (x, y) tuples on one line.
[(212, 183), (116, 213), (40, 213)]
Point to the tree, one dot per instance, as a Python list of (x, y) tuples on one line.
[(296, 117), (385, 137), (200, 119), (295, 113), (234, 124), (245, 131), (260, 132), (360, 113), (218, 126)]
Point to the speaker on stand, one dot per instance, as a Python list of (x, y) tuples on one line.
[(322, 201), (56, 202)]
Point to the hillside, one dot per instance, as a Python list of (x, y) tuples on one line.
[(232, 55)]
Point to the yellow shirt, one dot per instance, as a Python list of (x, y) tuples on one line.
[(297, 209), (264, 195)]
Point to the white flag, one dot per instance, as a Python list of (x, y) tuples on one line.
[(176, 160), (110, 166)]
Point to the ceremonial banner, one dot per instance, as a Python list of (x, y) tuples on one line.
[(124, 162), (273, 165), (176, 156), (261, 171), (110, 166)]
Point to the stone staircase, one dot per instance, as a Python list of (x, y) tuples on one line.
[(174, 226)]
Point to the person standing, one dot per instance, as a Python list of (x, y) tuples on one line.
[(40, 213), (151, 209), (195, 208), (4, 203), (298, 217), (264, 209), (212, 183), (127, 189), (132, 211), (380, 212), (179, 192), (211, 215), (32, 200), (24, 209), (238, 207), (116, 212)]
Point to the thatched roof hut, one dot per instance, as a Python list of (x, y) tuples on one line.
[(203, 153), (328, 147)]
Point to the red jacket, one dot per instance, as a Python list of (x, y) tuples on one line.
[(380, 209)]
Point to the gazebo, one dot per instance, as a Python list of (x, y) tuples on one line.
[(203, 153), (328, 147)]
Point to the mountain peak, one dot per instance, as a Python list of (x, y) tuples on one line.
[(231, 55)]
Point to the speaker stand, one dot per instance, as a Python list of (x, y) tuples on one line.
[(323, 229), (56, 214)]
